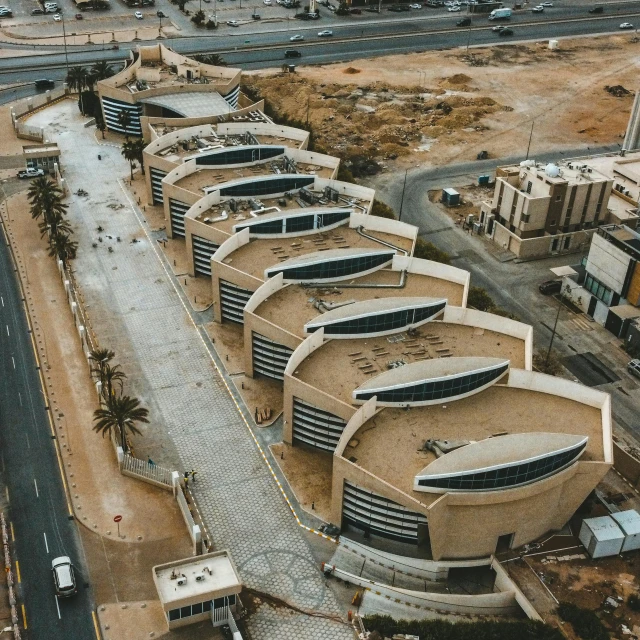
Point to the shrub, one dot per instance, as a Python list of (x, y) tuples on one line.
[(429, 251), (585, 622), (198, 18), (479, 299), (382, 210), (444, 630)]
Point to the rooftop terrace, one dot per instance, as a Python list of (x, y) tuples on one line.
[(292, 306), (340, 366), (389, 445)]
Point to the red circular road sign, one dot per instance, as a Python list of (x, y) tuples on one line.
[(117, 519)]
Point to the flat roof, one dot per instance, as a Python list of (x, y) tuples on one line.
[(604, 528), (218, 571), (205, 176), (192, 104), (293, 306), (340, 366), (260, 254), (390, 444)]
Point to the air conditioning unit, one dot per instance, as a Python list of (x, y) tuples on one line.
[(181, 581), (199, 577)]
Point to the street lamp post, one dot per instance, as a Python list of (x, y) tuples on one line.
[(404, 186), (64, 39), (530, 136)]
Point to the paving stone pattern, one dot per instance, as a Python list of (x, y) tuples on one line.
[(136, 311)]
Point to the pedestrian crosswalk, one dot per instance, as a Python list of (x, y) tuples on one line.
[(582, 323)]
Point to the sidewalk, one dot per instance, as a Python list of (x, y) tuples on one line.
[(136, 310)]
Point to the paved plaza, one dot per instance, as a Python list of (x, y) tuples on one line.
[(137, 310)]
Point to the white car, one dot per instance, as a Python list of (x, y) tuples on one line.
[(415, 6), (63, 578), (546, 4), (325, 33), (57, 17), (267, 2), (296, 38), (498, 28), (626, 25), (538, 9), (233, 23), (138, 15), (455, 8)]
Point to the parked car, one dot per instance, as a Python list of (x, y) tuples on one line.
[(634, 368), (79, 16), (44, 83), (296, 38), (30, 173), (37, 12), (546, 4), (138, 15), (292, 53), (415, 6), (64, 579), (498, 28), (57, 17), (355, 11), (506, 32), (465, 22), (325, 34), (538, 9), (266, 2), (454, 8), (596, 10), (162, 14), (626, 25), (549, 287), (233, 23)]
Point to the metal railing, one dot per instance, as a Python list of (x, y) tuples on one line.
[(146, 471)]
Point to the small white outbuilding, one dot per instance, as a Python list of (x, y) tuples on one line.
[(629, 522), (601, 536)]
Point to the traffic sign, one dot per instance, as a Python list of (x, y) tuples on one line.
[(118, 519)]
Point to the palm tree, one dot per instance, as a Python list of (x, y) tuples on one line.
[(101, 70), (62, 247), (210, 58), (111, 378), (130, 153), (100, 358), (124, 120), (54, 223), (101, 125), (45, 199), (120, 415), (78, 80), (138, 146)]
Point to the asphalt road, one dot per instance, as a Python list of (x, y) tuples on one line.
[(38, 509)]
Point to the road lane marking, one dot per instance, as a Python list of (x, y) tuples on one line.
[(20, 397), (6, 491), (7, 329), (18, 571), (58, 608), (35, 484), (24, 617), (45, 541), (95, 625), (2, 300), (13, 535), (14, 362), (26, 435)]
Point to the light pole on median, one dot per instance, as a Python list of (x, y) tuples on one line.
[(64, 39), (404, 186)]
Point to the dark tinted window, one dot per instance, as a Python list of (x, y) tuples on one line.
[(238, 156), (263, 187), (506, 476)]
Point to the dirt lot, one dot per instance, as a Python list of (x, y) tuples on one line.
[(439, 107)]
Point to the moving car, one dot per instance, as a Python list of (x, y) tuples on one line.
[(538, 9), (57, 17), (415, 6), (296, 38), (233, 23), (546, 4), (506, 32), (161, 14), (549, 287), (596, 10), (292, 53), (37, 12), (324, 34), (626, 25), (498, 28), (267, 2), (30, 173), (138, 15), (355, 11), (63, 578), (634, 368), (465, 22), (454, 8), (79, 16)]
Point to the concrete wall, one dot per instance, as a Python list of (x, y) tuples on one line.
[(266, 129), (608, 264), (626, 465)]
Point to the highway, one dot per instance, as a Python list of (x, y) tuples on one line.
[(38, 510)]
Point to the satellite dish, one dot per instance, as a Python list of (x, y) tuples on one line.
[(552, 170)]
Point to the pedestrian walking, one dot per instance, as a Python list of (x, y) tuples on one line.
[(151, 462), (193, 475)]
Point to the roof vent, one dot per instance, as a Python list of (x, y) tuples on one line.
[(199, 577), (181, 581)]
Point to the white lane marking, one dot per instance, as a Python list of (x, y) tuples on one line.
[(45, 542), (2, 300), (36, 486), (58, 608), (20, 397), (7, 329), (14, 362), (26, 435)]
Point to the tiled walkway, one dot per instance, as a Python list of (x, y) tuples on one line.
[(136, 310)]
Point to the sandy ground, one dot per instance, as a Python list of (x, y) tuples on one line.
[(17, 36), (452, 106)]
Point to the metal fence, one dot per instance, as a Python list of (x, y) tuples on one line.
[(151, 473)]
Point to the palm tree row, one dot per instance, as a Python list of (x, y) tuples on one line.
[(80, 79), (118, 413), (45, 201), (132, 152)]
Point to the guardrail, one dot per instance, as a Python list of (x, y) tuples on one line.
[(147, 471), (10, 579)]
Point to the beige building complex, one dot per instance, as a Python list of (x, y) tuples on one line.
[(539, 210), (433, 429), (159, 86)]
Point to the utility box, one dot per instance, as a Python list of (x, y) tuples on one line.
[(484, 180), (450, 197), (601, 537), (629, 522)]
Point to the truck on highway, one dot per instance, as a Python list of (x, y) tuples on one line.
[(500, 14)]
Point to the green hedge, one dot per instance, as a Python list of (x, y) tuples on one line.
[(444, 630), (585, 622)]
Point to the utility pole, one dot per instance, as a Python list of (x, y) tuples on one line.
[(468, 38), (64, 38), (404, 186), (530, 136), (553, 333)]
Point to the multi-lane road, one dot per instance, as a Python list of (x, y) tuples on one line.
[(41, 526)]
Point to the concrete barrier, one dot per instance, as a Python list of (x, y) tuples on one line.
[(626, 465)]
